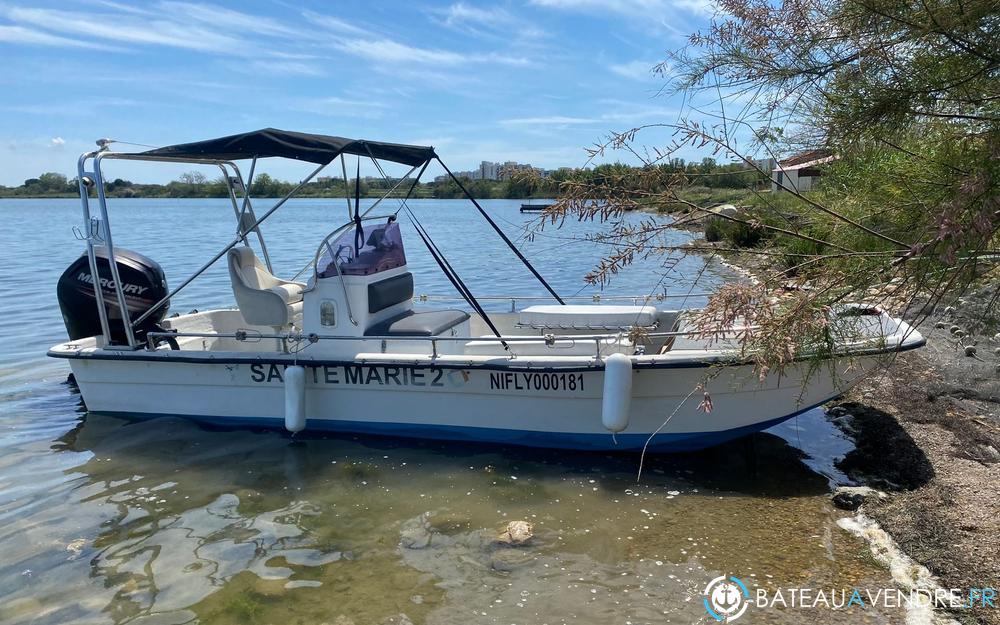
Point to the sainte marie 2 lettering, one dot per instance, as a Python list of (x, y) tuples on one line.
[(356, 375)]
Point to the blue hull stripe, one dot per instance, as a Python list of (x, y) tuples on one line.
[(664, 442)]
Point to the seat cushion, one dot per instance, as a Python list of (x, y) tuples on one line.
[(290, 292), (430, 323), (587, 317), (389, 292)]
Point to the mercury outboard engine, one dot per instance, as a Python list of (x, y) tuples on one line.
[(143, 284)]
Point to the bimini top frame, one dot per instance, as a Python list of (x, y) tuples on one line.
[(271, 142), (266, 143)]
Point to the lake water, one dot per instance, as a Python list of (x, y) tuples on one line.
[(165, 521)]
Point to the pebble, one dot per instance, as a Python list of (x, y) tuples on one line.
[(517, 533), (990, 453), (851, 497), (847, 501)]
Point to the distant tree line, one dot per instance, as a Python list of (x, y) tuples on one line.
[(704, 173)]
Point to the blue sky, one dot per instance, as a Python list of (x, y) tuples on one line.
[(529, 80)]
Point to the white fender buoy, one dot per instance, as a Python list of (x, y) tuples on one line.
[(617, 400), (295, 398)]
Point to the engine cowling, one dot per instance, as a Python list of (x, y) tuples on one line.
[(143, 284)]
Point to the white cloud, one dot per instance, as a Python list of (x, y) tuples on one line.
[(701, 7), (494, 22), (621, 112), (636, 70), (129, 29), (332, 23), (645, 9), (57, 142), (20, 34), (283, 68), (552, 120), (85, 106), (389, 51), (219, 17), (335, 106), (620, 6), (460, 13)]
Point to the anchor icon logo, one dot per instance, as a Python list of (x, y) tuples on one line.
[(726, 599)]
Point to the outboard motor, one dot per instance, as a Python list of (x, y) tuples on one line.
[(143, 284)]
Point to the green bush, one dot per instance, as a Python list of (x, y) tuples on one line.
[(740, 234), (715, 229), (796, 250)]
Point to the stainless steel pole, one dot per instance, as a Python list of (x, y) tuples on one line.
[(109, 243), (257, 223), (91, 256)]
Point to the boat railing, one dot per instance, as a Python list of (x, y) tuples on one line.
[(596, 298), (551, 340)]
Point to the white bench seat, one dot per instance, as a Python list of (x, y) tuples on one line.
[(585, 317), (540, 347)]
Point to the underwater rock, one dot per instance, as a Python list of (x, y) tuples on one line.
[(416, 533), (517, 533), (448, 523), (507, 560)]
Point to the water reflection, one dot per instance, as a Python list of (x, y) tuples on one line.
[(107, 521), (165, 521)]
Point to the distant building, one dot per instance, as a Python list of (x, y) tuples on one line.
[(800, 172), (488, 170), (766, 164)]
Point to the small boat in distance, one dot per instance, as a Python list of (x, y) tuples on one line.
[(350, 348), (531, 207)]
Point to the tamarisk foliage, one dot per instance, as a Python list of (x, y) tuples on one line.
[(905, 94)]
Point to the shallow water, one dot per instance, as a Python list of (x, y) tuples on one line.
[(166, 521)]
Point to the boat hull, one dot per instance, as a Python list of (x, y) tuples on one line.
[(553, 408)]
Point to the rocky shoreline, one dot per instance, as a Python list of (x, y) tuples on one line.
[(928, 434), (926, 467)]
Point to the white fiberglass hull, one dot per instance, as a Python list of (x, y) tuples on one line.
[(553, 407)]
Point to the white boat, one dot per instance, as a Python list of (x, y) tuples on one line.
[(351, 348)]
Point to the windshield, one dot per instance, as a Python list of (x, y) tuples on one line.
[(382, 250)]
